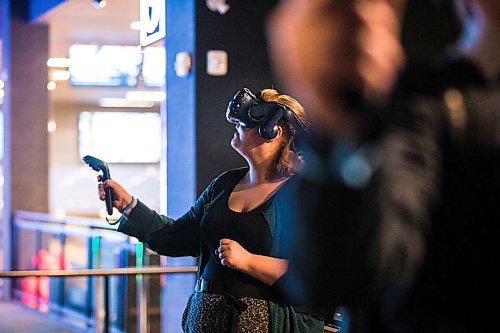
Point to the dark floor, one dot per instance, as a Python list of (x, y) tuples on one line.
[(15, 318)]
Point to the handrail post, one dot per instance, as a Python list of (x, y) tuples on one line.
[(98, 285), (106, 303), (142, 291)]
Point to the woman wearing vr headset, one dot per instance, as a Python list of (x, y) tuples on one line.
[(234, 226)]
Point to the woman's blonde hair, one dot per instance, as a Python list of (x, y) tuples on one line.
[(288, 160)]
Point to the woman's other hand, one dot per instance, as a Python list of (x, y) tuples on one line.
[(233, 255), (264, 268)]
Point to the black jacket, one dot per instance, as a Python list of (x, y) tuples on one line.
[(181, 237), (403, 228)]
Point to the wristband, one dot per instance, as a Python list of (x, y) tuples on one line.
[(129, 206)]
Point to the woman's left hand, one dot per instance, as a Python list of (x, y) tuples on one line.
[(232, 254)]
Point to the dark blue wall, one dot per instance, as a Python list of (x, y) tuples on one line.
[(240, 33), (198, 135), (181, 151)]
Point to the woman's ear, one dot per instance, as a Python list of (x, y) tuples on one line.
[(279, 134)]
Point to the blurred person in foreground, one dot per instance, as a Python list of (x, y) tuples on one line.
[(234, 226), (397, 209)]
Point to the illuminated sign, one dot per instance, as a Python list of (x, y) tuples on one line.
[(152, 21)]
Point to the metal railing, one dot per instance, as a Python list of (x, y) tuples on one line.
[(93, 229), (95, 249), (105, 273)]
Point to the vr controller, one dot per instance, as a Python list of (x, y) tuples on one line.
[(250, 111), (99, 165)]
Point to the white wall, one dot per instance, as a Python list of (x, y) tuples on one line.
[(73, 185)]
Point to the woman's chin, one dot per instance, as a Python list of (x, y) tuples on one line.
[(234, 142)]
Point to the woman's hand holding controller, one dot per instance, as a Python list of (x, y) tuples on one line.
[(121, 197)]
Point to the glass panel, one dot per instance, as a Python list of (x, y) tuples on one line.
[(50, 256), (26, 247), (112, 256), (76, 288)]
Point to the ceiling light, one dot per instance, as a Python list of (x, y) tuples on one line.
[(51, 126), (51, 85), (99, 3), (58, 62), (123, 103), (60, 75), (136, 25), (153, 96)]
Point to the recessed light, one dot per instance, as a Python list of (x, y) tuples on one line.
[(58, 62), (123, 103), (51, 85), (136, 25), (153, 96)]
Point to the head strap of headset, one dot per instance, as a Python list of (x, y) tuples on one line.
[(250, 111)]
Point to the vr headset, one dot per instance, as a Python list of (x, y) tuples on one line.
[(250, 111)]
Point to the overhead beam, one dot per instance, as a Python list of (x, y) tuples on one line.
[(39, 7)]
